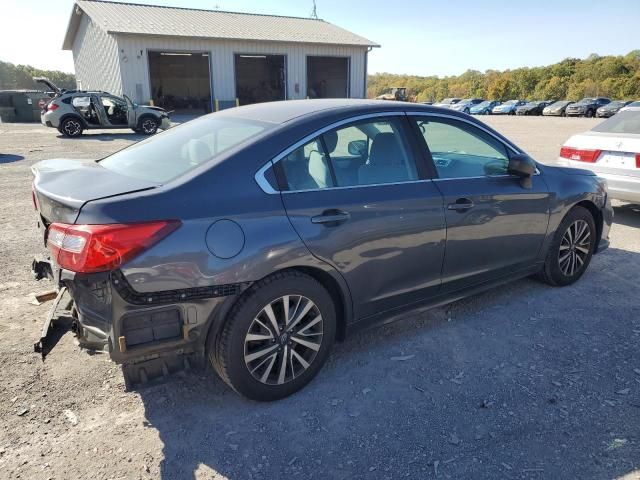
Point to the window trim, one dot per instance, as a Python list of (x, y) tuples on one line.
[(265, 186)]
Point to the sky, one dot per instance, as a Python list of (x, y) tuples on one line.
[(420, 37)]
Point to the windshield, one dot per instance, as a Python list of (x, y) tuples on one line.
[(587, 100), (450, 100), (616, 104), (511, 102), (621, 122), (484, 104), (559, 104), (180, 149)]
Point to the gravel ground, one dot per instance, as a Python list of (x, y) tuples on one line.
[(527, 381)]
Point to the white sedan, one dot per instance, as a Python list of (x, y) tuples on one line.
[(611, 149)]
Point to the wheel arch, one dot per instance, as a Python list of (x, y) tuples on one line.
[(144, 116), (340, 296), (598, 219), (75, 116)]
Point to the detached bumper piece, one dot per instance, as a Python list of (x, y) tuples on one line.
[(61, 309), (157, 370)]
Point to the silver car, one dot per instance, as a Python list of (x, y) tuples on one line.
[(611, 149), (72, 112)]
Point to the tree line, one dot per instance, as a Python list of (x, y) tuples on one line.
[(19, 77), (611, 76)]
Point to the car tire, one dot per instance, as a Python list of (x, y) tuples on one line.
[(250, 329), (576, 238), (148, 125), (71, 127)]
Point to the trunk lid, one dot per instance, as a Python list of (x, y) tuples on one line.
[(49, 84), (63, 186), (617, 152)]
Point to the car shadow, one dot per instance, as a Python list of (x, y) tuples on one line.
[(504, 384), (627, 214), (10, 158), (106, 137)]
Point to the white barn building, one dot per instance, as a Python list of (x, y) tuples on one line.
[(196, 60)]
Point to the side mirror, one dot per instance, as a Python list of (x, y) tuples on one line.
[(523, 166), (358, 148)]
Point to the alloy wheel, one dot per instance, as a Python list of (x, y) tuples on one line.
[(149, 126), (72, 127), (283, 339), (575, 247)]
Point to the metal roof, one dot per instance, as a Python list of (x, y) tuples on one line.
[(131, 18)]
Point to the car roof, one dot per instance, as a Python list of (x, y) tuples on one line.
[(288, 110)]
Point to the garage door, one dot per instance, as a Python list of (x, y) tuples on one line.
[(260, 78), (181, 81), (327, 77)]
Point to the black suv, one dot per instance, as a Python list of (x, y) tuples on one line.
[(586, 107)]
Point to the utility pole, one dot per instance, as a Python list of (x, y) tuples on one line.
[(314, 12)]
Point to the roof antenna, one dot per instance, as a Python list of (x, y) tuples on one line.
[(314, 12)]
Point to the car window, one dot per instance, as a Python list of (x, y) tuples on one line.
[(180, 149), (460, 150), (81, 101), (376, 153), (307, 168), (622, 122)]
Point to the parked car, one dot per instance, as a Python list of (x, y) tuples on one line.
[(611, 149), (507, 108), (483, 108), (610, 109), (631, 106), (447, 102), (465, 105), (72, 112), (532, 108), (557, 109), (586, 107), (310, 221)]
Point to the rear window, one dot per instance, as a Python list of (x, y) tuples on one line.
[(621, 122), (180, 149)]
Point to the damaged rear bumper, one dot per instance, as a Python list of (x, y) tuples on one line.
[(151, 334)]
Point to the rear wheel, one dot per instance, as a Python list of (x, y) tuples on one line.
[(589, 113), (71, 127), (277, 337), (571, 249)]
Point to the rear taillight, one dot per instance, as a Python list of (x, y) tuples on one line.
[(99, 248), (52, 106), (637, 160), (580, 155)]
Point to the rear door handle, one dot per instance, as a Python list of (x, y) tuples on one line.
[(461, 204), (331, 216)]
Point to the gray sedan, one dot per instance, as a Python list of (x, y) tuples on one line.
[(255, 237)]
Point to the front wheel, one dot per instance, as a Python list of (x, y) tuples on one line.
[(148, 126), (589, 113), (276, 338), (571, 249)]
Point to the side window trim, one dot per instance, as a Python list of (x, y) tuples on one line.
[(260, 174)]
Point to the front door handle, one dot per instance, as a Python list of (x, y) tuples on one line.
[(461, 204), (331, 216)]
